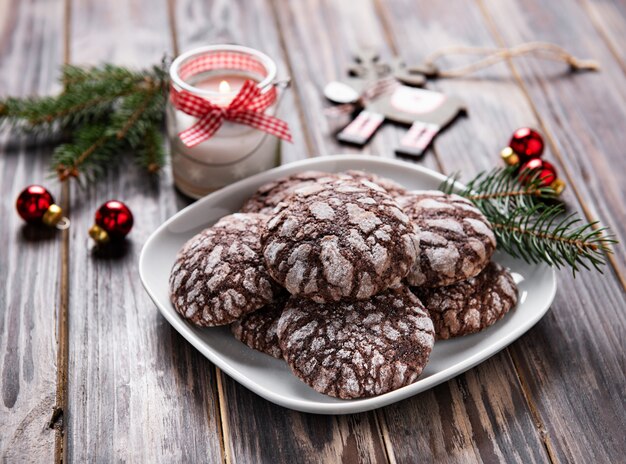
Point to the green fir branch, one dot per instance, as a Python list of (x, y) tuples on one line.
[(529, 222), (88, 155), (504, 187), (151, 155), (106, 111)]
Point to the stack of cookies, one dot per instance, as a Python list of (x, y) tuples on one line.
[(347, 277)]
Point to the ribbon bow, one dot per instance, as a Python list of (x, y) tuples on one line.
[(246, 108)]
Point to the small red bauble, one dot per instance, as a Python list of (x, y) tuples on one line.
[(527, 143), (35, 205), (545, 172), (524, 152), (113, 222)]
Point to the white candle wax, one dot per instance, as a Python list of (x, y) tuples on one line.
[(234, 152), (217, 73)]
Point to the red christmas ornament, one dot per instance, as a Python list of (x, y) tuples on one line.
[(36, 206), (524, 152), (527, 143), (113, 222), (543, 170)]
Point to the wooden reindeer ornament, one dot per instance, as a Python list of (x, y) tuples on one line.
[(389, 92)]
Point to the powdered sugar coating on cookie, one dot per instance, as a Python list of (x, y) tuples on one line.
[(472, 305), (456, 240), (219, 274), (258, 329), (271, 194), (340, 240), (391, 186), (357, 349)]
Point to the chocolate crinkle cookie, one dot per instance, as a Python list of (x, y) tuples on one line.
[(392, 187), (357, 349), (472, 305), (455, 239), (258, 329), (219, 274), (340, 240), (271, 194)]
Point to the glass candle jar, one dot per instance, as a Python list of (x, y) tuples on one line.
[(216, 73)]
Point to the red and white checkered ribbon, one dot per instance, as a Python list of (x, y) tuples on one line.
[(247, 107)]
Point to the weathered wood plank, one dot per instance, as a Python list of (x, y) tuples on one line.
[(264, 432), (258, 431), (609, 18), (585, 412), (138, 392), (500, 106), (584, 113), (31, 49), (414, 428)]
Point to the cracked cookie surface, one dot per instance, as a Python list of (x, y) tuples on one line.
[(219, 274), (357, 349), (345, 239), (258, 329), (265, 199), (455, 239), (391, 186), (470, 306)]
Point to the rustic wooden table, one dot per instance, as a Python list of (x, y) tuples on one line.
[(91, 372)]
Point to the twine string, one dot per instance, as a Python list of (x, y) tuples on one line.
[(492, 56)]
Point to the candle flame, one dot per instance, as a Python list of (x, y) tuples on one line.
[(224, 87)]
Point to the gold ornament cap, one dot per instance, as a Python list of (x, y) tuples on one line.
[(558, 186), (509, 156), (99, 234), (53, 217)]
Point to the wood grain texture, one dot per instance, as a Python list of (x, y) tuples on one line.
[(582, 114), (609, 18), (563, 403), (138, 392), (249, 437), (581, 398), (31, 49), (264, 432)]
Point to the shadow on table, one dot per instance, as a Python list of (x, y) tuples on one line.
[(33, 233)]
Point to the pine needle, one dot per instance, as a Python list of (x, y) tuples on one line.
[(107, 111), (529, 223)]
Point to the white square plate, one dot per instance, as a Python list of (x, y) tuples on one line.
[(270, 377)]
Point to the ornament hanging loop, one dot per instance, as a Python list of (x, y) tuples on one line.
[(63, 224), (544, 50)]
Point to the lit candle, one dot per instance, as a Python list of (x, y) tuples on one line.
[(226, 86), (235, 151)]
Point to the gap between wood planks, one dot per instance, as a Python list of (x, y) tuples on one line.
[(221, 419), (308, 139), (497, 36), (59, 413)]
